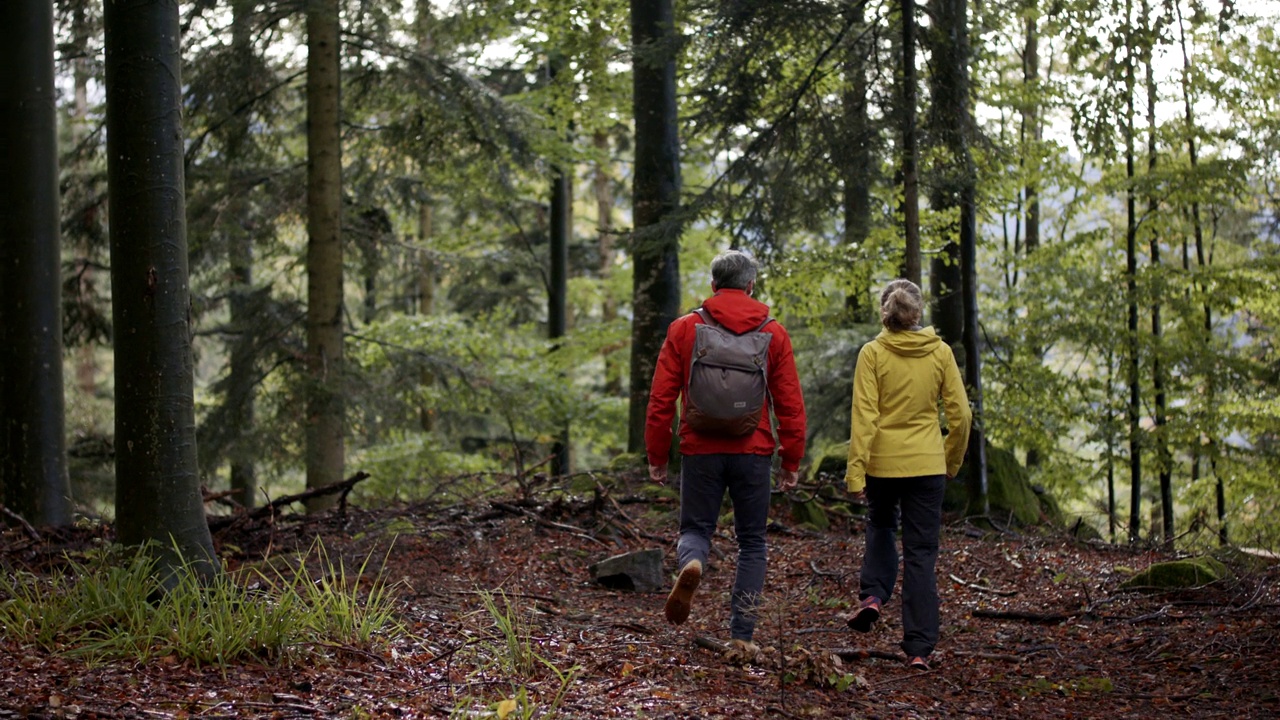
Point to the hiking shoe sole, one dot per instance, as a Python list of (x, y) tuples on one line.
[(918, 663), (866, 617), (680, 601)]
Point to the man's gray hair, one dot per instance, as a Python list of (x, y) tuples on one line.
[(733, 269)]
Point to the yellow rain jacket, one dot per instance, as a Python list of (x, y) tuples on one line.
[(898, 381)]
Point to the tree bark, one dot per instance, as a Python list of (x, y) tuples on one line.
[(1031, 135), (655, 241), (1197, 229), (557, 310), (602, 184), (1131, 285), (911, 266), (33, 458), (1164, 461), (426, 298), (157, 483), (325, 401), (239, 231), (856, 162)]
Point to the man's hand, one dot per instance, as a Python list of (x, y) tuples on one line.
[(860, 497), (658, 474), (787, 479)]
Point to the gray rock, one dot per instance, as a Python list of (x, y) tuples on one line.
[(639, 571)]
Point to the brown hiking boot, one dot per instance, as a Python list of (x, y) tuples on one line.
[(680, 601)]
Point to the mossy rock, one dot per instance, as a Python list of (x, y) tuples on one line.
[(810, 514), (1082, 529), (832, 462), (1188, 573), (628, 462), (1009, 492)]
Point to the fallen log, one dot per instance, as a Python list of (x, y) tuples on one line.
[(218, 522)]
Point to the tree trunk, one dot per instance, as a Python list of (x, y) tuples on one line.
[(655, 241), (911, 268), (1164, 461), (1031, 134), (157, 481), (239, 230), (557, 310), (1131, 284), (426, 298), (604, 221), (949, 99), (33, 458), (86, 361), (1197, 229), (325, 401), (856, 163)]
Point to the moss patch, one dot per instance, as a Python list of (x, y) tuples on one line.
[(1191, 572), (811, 514), (1009, 492)]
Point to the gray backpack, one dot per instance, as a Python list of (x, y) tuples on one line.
[(727, 390)]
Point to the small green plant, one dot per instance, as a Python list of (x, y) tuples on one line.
[(114, 604), (514, 656)]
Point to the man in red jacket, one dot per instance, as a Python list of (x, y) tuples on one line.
[(712, 462)]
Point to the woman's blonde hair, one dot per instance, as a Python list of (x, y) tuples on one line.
[(901, 305)]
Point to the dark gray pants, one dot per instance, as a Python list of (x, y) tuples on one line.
[(918, 502), (703, 481)]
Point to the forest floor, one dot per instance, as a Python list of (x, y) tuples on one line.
[(1033, 626)]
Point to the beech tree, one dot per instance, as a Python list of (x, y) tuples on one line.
[(655, 240), (33, 461), (157, 484), (325, 403)]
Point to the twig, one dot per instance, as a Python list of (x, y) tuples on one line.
[(851, 654), (26, 526), (270, 508), (1020, 615), (516, 510), (987, 655), (982, 588)]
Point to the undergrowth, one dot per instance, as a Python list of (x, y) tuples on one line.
[(112, 604)]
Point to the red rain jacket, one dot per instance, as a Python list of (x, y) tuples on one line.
[(736, 311)]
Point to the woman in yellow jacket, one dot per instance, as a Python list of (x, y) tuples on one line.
[(899, 462)]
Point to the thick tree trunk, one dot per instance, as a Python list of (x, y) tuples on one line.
[(33, 458), (325, 401), (238, 226), (655, 241), (1131, 285), (911, 266), (157, 481)]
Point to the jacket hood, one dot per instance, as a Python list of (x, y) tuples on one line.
[(910, 343), (736, 310)]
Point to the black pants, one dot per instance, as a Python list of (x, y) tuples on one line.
[(918, 502)]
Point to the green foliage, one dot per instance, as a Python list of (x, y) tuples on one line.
[(114, 605)]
